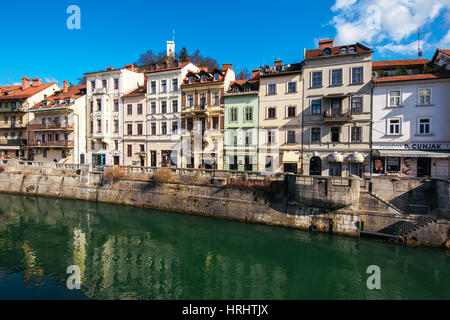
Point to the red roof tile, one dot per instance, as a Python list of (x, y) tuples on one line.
[(335, 51), (160, 68), (399, 63), (73, 92), (140, 91), (16, 92), (412, 77)]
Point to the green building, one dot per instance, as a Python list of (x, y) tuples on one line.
[(241, 125)]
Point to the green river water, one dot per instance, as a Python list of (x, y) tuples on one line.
[(131, 253)]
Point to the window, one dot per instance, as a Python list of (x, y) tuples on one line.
[(116, 126), (191, 79), (129, 150), (291, 112), (104, 83), (106, 126), (248, 113), (203, 78), (335, 134), (248, 138), (269, 161), (272, 89), (116, 105), (44, 153), (202, 99), (393, 165), (327, 52), (153, 86), (190, 123), (130, 129), (174, 84), (216, 98), (20, 119), (316, 106), (99, 125), (163, 106), (92, 85), (316, 135), (394, 126), (163, 128), (343, 50), (99, 105), (424, 126), (116, 84), (424, 97), (139, 129), (216, 77), (92, 126), (356, 105), (175, 106), (352, 49), (163, 86), (271, 113), (357, 75), (174, 127), (142, 148), (116, 144), (317, 79), (92, 106), (139, 108), (356, 134), (153, 106), (93, 145), (292, 87), (153, 128), (270, 137), (190, 100), (233, 114), (129, 109), (336, 77), (394, 98), (290, 136), (5, 119), (215, 121)]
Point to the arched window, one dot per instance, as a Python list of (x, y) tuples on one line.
[(352, 49), (315, 166), (327, 52), (343, 50)]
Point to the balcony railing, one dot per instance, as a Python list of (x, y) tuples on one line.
[(59, 143), (13, 142), (49, 126), (12, 125), (336, 117)]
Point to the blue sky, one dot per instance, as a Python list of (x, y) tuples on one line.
[(37, 43)]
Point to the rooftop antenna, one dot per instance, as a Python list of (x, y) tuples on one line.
[(419, 32)]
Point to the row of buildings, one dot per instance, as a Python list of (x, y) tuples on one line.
[(336, 113)]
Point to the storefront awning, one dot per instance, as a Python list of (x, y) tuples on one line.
[(413, 154), (9, 147), (290, 157), (335, 157), (356, 158)]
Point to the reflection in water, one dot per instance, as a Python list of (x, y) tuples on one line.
[(130, 253)]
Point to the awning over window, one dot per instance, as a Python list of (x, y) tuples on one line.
[(335, 157), (356, 158), (290, 157), (413, 154)]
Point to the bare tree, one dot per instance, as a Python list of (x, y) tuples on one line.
[(244, 74)]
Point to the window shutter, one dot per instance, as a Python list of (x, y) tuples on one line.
[(222, 123)]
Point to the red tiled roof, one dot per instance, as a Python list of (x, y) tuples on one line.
[(412, 77), (140, 91), (160, 68), (335, 51), (16, 92), (209, 79), (399, 63), (72, 92), (447, 52)]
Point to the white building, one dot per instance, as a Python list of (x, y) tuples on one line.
[(410, 132), (164, 110), (104, 119)]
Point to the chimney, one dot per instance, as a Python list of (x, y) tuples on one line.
[(25, 83), (65, 86), (110, 69), (36, 82), (255, 73), (145, 81), (326, 43), (226, 66), (129, 67), (278, 63)]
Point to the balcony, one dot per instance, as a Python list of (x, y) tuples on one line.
[(333, 117), (99, 91), (13, 142), (49, 126), (10, 125), (55, 144)]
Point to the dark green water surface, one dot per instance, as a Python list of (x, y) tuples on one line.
[(130, 253)]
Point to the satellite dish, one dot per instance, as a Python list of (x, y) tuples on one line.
[(420, 53)]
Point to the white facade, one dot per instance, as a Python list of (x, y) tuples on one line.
[(105, 90), (410, 132), (164, 113)]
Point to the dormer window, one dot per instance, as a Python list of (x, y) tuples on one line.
[(343, 50), (57, 102), (44, 103), (235, 89), (327, 52), (191, 79), (216, 77), (68, 101), (352, 49), (203, 78)]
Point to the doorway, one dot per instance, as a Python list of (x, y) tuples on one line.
[(290, 168), (247, 164), (424, 167)]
